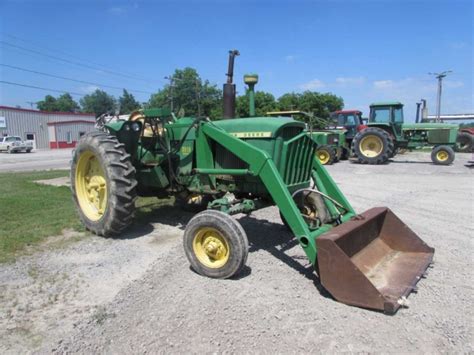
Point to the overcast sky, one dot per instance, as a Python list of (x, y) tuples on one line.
[(364, 51)]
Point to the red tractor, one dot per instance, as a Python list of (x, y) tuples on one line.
[(351, 121)]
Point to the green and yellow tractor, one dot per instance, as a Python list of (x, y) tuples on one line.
[(386, 132), (233, 166)]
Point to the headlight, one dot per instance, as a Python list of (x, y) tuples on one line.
[(126, 127), (135, 126)]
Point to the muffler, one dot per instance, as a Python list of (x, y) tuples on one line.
[(372, 261)]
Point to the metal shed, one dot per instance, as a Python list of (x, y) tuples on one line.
[(46, 129)]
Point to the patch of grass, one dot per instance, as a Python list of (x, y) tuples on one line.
[(30, 212)]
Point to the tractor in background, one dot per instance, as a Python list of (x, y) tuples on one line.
[(351, 122), (238, 165), (331, 141), (386, 132)]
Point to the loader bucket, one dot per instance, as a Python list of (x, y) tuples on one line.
[(373, 261)]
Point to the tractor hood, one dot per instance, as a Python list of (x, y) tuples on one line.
[(257, 127)]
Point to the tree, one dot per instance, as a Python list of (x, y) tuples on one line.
[(98, 102), (189, 93), (64, 103), (264, 102), (313, 102), (48, 104), (289, 101), (127, 103)]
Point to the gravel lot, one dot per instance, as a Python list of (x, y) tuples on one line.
[(138, 294), (36, 160)]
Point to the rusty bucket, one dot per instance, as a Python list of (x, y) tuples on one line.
[(373, 261)]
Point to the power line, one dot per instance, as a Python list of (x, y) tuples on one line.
[(75, 62), (49, 49), (41, 88), (71, 79)]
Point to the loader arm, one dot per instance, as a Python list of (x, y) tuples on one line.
[(261, 165)]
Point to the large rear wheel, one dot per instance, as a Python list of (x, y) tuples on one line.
[(103, 184), (465, 142), (373, 146)]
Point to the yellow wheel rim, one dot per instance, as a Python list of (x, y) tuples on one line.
[(211, 248), (371, 146), (442, 155), (323, 156), (91, 186)]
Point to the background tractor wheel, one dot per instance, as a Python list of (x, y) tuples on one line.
[(373, 146), (338, 153), (103, 184), (312, 208), (326, 155), (442, 155), (465, 142), (215, 244)]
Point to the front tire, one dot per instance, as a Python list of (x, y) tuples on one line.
[(326, 155), (373, 146), (442, 155), (215, 244), (103, 184)]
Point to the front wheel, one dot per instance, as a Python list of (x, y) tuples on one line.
[(442, 155), (326, 155), (215, 244)]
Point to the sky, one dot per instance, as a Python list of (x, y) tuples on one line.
[(363, 51)]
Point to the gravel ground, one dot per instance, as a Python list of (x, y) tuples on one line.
[(137, 294)]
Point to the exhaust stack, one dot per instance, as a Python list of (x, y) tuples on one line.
[(229, 87)]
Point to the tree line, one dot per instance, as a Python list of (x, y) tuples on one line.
[(188, 94)]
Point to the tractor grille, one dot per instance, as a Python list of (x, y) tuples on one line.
[(227, 160), (332, 139), (297, 154)]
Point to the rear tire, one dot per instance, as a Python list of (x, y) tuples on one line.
[(442, 155), (465, 142), (103, 184), (215, 244), (326, 155), (373, 146)]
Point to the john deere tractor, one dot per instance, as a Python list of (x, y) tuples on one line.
[(386, 132), (370, 260)]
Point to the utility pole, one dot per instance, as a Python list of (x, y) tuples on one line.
[(440, 77)]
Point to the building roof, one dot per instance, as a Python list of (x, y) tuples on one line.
[(47, 112)]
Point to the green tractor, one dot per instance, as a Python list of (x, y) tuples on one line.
[(386, 132), (331, 145), (371, 260)]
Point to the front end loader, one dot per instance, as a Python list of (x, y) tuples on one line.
[(371, 260)]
